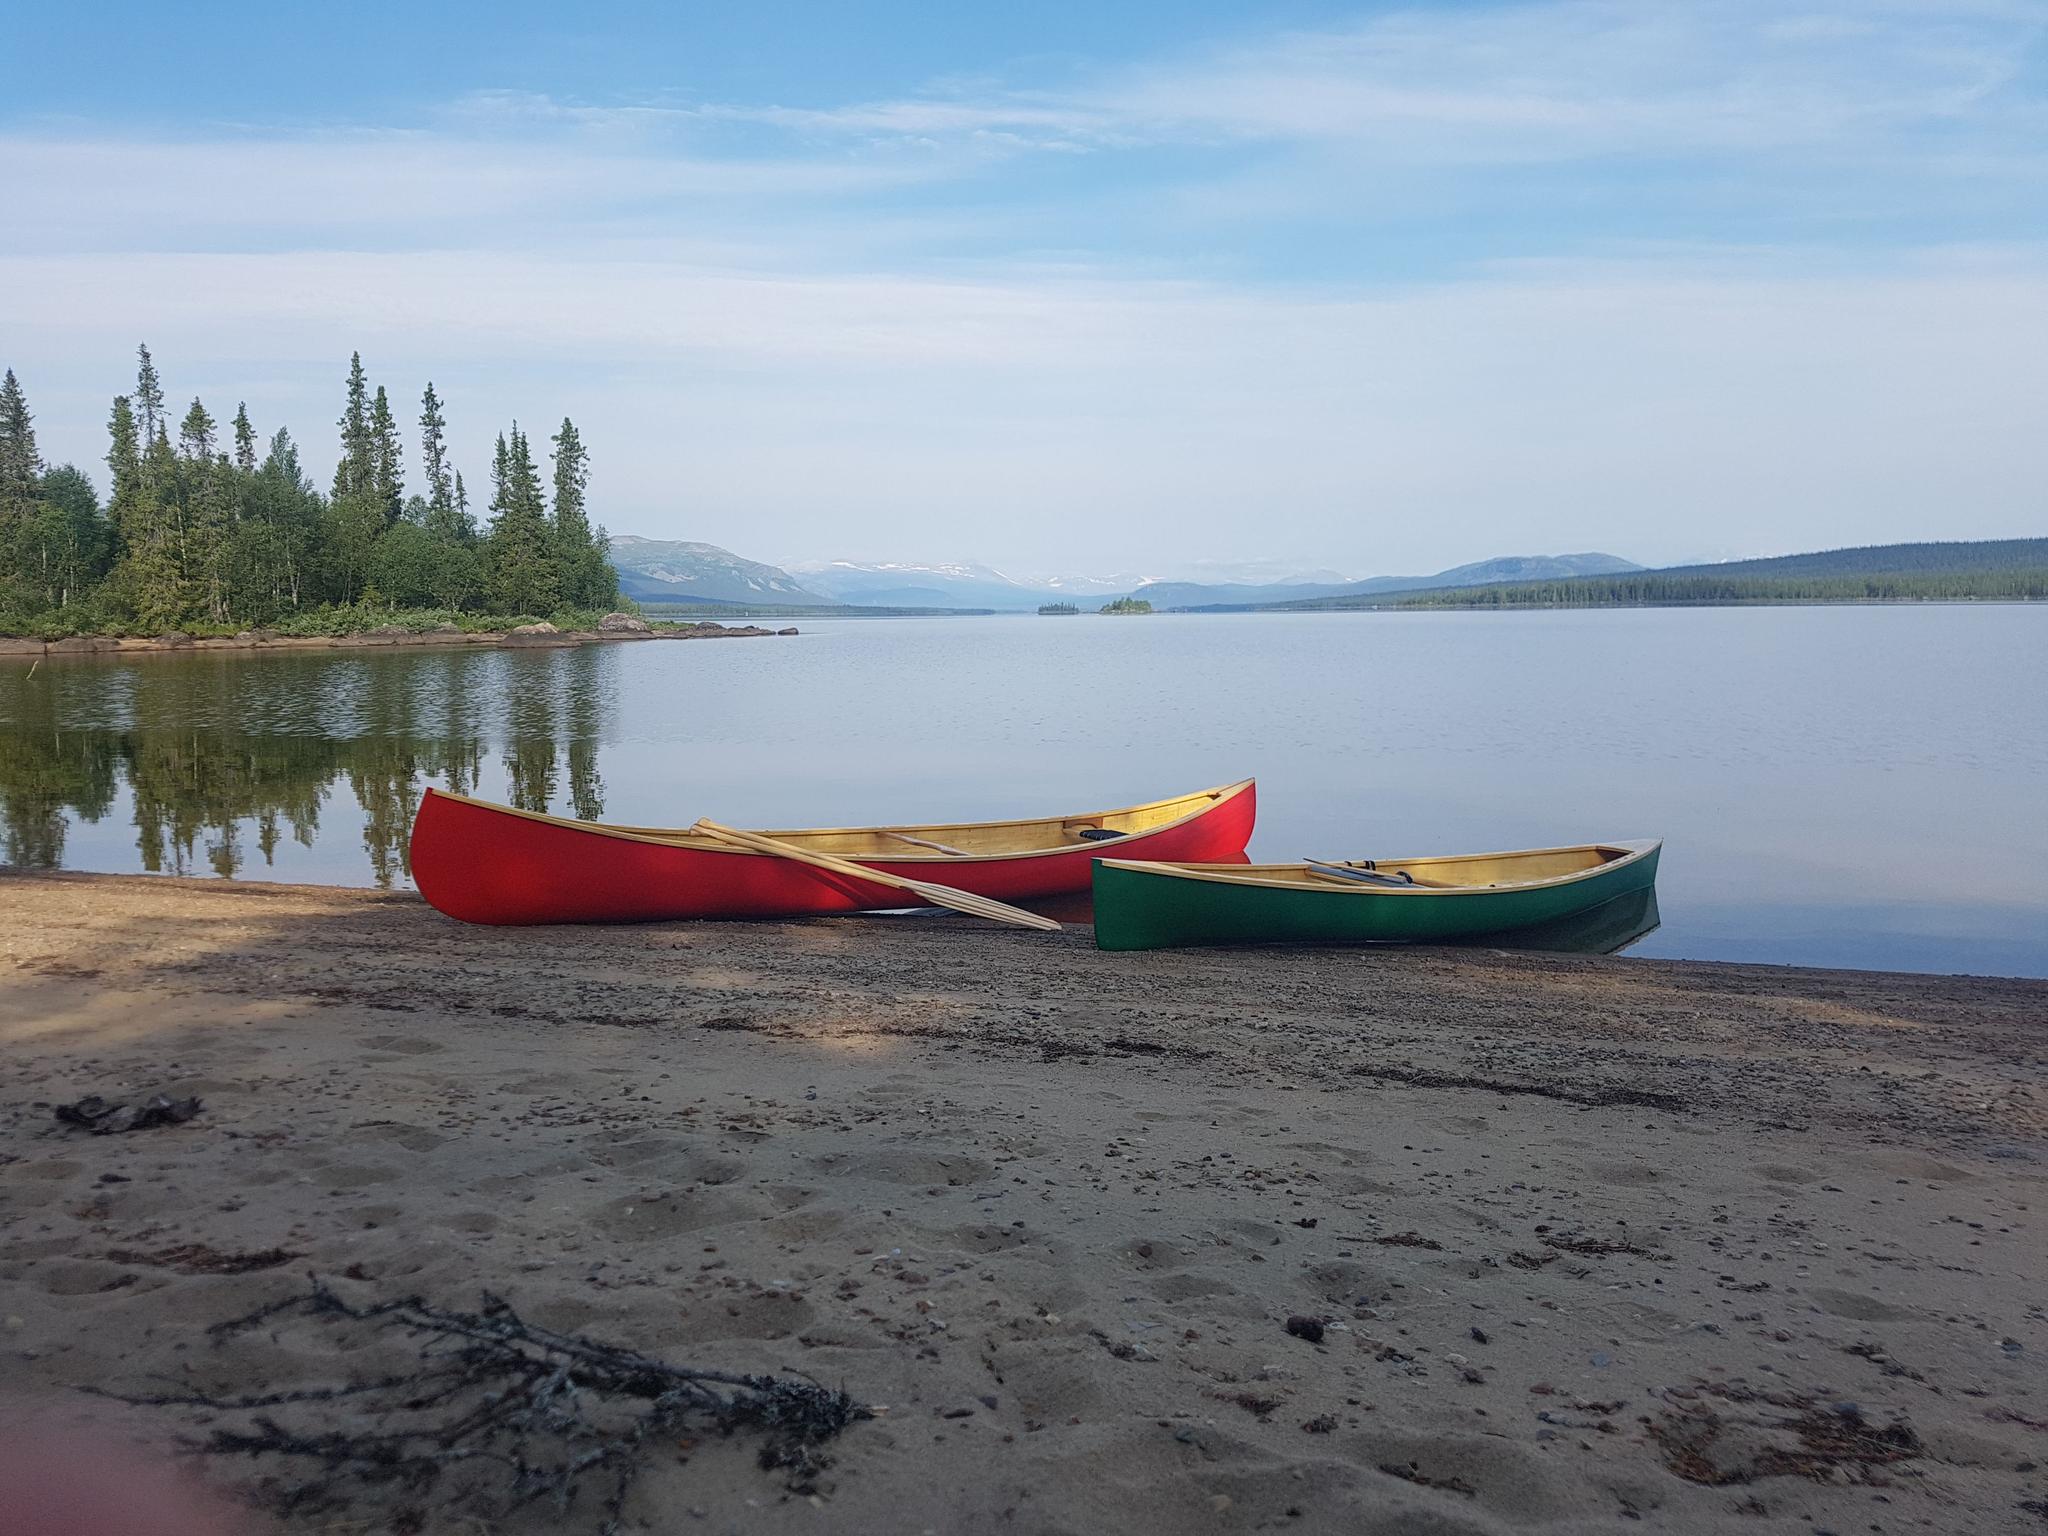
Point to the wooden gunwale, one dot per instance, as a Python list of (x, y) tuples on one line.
[(1625, 853), (1198, 803)]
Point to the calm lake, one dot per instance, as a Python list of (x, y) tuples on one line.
[(1836, 786)]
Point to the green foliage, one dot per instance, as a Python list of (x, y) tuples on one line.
[(1057, 608), (522, 573), (1127, 605), (201, 537)]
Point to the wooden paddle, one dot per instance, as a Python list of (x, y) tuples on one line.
[(924, 890), (1385, 882)]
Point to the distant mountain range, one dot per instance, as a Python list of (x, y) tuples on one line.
[(1188, 594), (897, 584), (1976, 570), (671, 571), (677, 571)]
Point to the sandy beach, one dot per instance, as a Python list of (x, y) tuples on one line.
[(1567, 1243)]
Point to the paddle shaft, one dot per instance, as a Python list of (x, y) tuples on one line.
[(937, 895), (1351, 873)]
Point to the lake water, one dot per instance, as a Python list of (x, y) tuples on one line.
[(1836, 786)]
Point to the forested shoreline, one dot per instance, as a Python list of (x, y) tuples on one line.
[(201, 535), (1987, 570)]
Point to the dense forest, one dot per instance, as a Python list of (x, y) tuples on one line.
[(2009, 570), (202, 532)]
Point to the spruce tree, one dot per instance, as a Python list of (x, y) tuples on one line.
[(356, 515), (124, 463), (245, 440), (387, 459), (357, 469), (21, 466), (149, 395), (519, 566), (588, 580), (434, 449), (195, 436), (153, 573)]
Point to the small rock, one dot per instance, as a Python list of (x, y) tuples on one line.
[(1309, 1328)]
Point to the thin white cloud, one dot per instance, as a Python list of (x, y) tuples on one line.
[(1560, 79), (778, 321)]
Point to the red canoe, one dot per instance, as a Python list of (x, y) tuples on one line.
[(486, 863)]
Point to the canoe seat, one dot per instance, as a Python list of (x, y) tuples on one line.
[(1097, 834)]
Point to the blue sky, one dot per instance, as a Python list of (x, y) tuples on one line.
[(1062, 287)]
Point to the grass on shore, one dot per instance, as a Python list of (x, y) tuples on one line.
[(326, 622)]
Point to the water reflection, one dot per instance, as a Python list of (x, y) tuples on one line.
[(1762, 745), (219, 763), (1607, 929)]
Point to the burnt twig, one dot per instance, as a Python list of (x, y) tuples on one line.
[(524, 1412)]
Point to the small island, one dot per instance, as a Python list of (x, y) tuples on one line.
[(1057, 608), (1127, 605)]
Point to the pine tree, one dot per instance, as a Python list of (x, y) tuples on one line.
[(387, 459), (245, 440)]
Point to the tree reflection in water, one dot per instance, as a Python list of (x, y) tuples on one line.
[(224, 756)]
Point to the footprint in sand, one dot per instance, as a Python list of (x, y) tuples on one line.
[(999, 1239), (1151, 1253), (1785, 1173), (1626, 1173), (654, 1218), (1190, 1287), (404, 1045), (805, 1224), (413, 1138), (899, 1167), (1855, 1305), (52, 1169), (767, 1314)]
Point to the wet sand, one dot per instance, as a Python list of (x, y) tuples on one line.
[(1595, 1244)]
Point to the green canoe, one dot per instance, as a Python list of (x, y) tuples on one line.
[(1157, 906)]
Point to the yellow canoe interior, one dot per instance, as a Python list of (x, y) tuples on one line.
[(1451, 872), (958, 840)]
